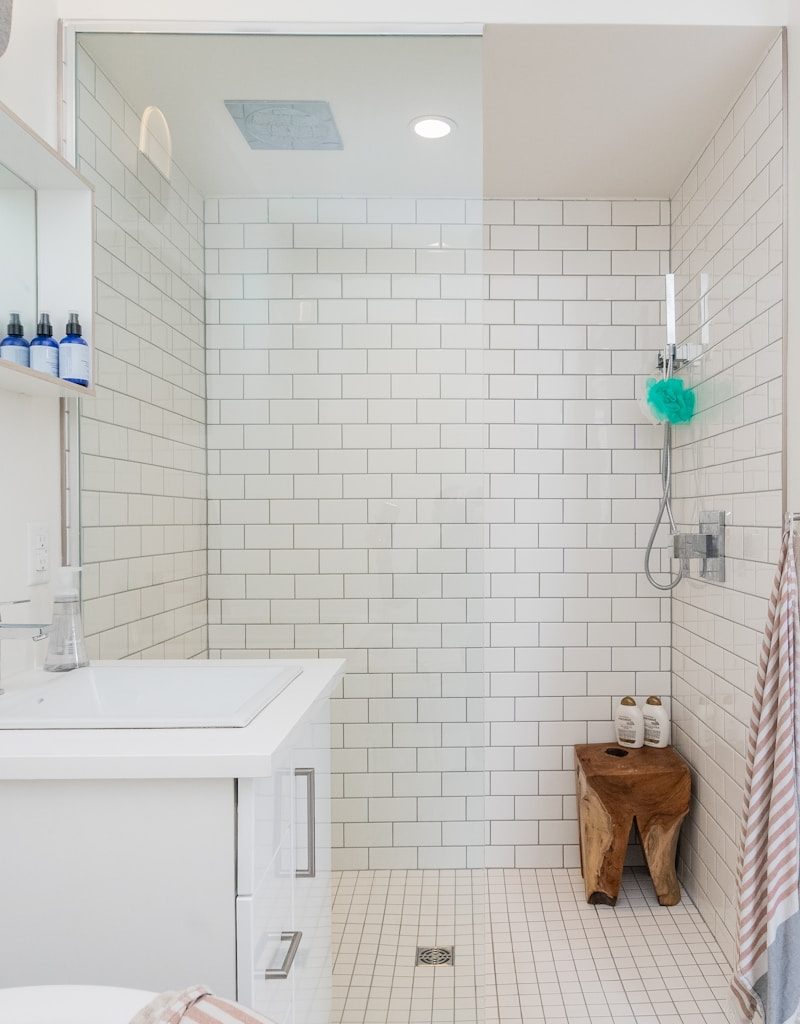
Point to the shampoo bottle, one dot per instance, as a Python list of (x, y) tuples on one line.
[(14, 347), (629, 723), (656, 723), (73, 354), (44, 350), (66, 648)]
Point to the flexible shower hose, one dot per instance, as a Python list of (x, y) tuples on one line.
[(665, 505)]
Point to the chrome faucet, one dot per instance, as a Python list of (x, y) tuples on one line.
[(37, 630)]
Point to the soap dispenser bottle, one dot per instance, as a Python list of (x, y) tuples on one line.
[(44, 349), (14, 347), (629, 724), (66, 647), (73, 354), (656, 723)]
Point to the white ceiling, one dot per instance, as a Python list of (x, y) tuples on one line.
[(540, 110), (375, 86), (607, 111)]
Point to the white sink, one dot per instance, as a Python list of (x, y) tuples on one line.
[(145, 695)]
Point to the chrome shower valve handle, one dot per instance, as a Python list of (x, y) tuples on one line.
[(707, 546)]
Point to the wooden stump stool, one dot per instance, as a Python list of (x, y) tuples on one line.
[(616, 785)]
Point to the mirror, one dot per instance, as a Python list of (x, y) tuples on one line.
[(18, 252)]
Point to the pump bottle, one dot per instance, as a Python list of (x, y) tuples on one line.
[(656, 723), (629, 723), (14, 346), (44, 350), (66, 647), (73, 354)]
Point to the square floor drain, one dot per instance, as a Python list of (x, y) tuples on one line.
[(434, 956)]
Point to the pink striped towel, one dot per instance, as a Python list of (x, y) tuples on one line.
[(767, 977), (195, 1006)]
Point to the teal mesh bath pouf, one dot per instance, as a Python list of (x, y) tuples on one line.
[(670, 400)]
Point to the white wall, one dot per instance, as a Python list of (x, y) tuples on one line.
[(575, 314), (28, 85), (792, 297), (347, 497), (29, 456), (734, 12), (28, 67), (33, 48), (727, 255), (344, 386), (143, 439), (31, 493)]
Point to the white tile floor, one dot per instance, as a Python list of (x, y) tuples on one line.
[(551, 957), (379, 919)]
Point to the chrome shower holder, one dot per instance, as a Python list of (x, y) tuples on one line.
[(707, 546), (675, 362)]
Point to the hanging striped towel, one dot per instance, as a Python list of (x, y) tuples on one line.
[(767, 978), (195, 1006)]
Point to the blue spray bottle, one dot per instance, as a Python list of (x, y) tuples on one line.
[(14, 347), (73, 354), (44, 349)]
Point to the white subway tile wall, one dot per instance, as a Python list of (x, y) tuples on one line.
[(426, 454), (345, 433), (575, 309), (351, 388), (143, 454), (727, 252)]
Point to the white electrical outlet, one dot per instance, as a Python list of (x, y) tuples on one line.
[(38, 554)]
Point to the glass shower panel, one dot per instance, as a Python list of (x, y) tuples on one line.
[(357, 433), (290, 412)]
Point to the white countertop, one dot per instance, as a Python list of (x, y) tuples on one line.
[(208, 753)]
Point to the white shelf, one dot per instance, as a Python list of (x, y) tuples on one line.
[(33, 160), (20, 380), (64, 243)]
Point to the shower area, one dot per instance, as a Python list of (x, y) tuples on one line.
[(374, 320)]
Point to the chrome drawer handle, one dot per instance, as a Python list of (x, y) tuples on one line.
[(311, 870), (282, 972)]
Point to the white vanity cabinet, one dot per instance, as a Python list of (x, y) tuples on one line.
[(283, 880), (138, 859)]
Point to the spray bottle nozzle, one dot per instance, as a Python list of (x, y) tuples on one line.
[(14, 329), (73, 324)]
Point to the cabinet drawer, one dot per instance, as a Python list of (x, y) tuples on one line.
[(312, 890), (265, 822), (266, 943)]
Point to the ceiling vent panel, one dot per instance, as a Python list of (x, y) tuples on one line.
[(286, 124)]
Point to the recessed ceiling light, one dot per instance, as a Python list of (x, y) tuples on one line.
[(431, 126)]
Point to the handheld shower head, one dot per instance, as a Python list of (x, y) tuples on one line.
[(667, 363)]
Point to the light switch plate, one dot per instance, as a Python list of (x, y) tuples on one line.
[(38, 554)]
